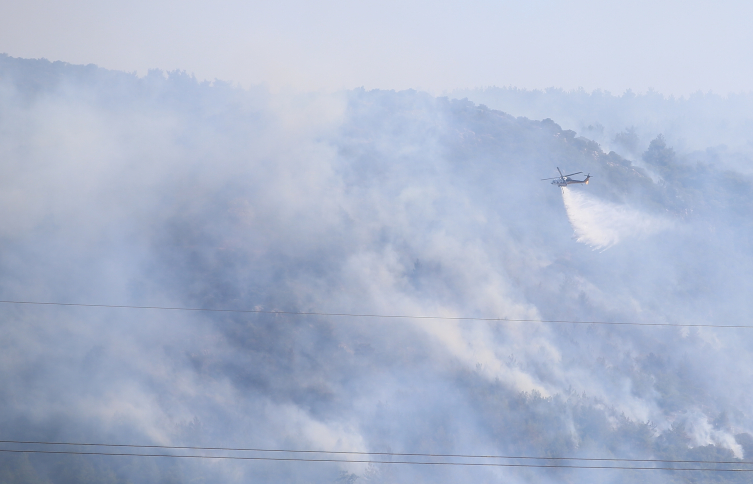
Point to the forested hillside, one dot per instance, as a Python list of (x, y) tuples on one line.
[(310, 210), (704, 124)]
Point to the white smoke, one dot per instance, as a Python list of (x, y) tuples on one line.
[(601, 224), (361, 202)]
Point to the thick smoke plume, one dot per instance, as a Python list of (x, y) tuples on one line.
[(162, 191)]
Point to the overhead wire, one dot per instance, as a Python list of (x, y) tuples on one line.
[(395, 454), (350, 452), (367, 315), (349, 461)]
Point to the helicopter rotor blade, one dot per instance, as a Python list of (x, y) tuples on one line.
[(576, 173), (555, 178), (561, 175)]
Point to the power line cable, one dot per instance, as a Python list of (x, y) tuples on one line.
[(359, 315), (348, 452), (301, 459)]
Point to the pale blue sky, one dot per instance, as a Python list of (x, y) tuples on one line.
[(675, 47)]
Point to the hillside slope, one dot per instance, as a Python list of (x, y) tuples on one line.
[(162, 191)]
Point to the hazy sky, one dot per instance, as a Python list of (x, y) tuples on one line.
[(675, 47)]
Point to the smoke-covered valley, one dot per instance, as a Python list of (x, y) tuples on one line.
[(164, 191)]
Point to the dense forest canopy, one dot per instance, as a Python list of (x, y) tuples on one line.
[(710, 126), (164, 191)]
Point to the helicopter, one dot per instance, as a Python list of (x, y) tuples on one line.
[(565, 180)]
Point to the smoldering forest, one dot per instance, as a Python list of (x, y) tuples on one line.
[(165, 192)]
